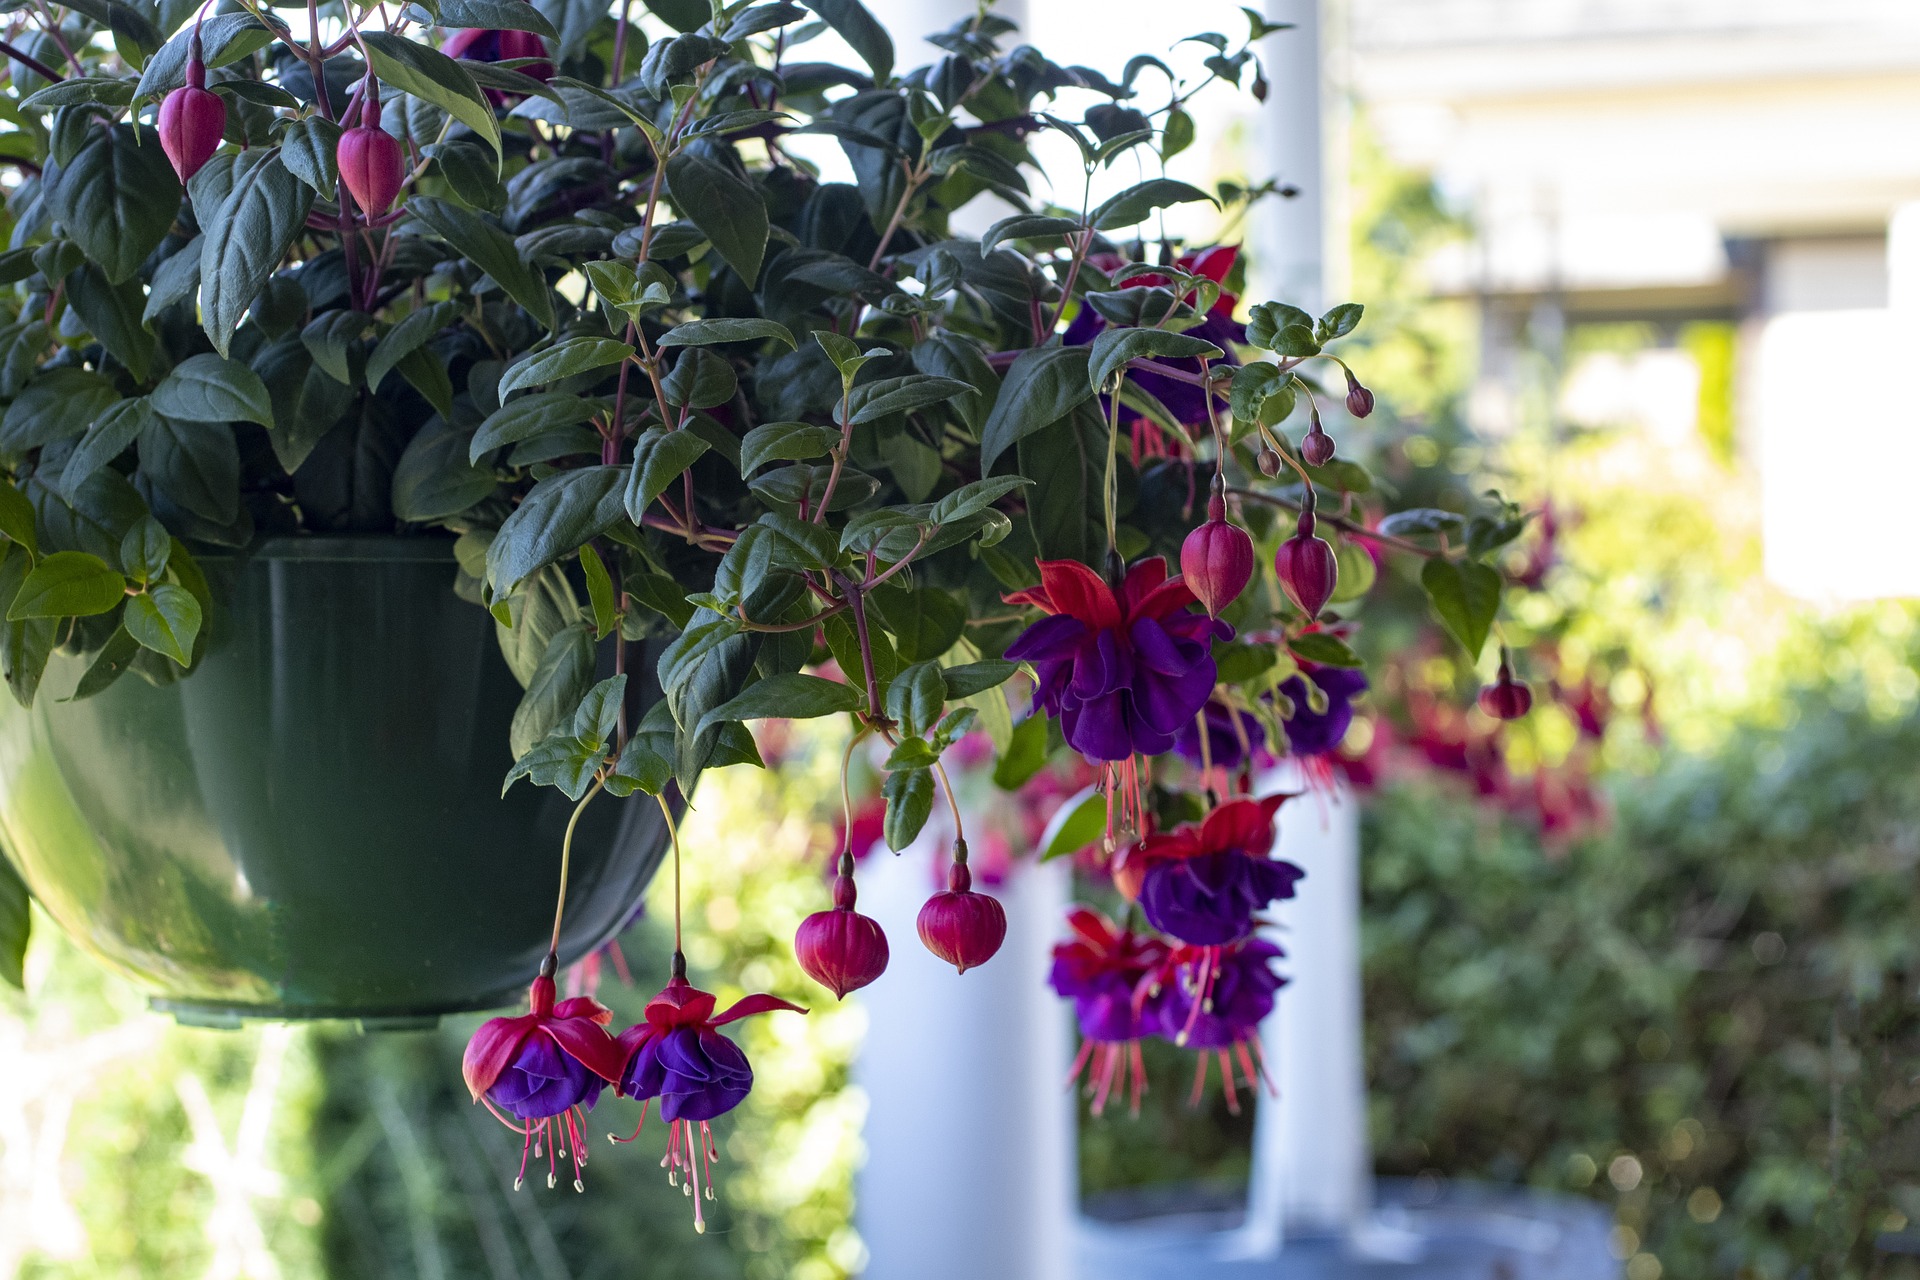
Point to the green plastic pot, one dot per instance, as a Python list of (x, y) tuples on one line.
[(310, 824)]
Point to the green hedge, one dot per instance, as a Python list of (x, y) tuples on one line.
[(1716, 998)]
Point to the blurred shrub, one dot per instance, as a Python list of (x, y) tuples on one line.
[(1706, 1015)]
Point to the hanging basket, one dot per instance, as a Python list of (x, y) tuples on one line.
[(310, 824)]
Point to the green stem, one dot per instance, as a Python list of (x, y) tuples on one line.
[(566, 860)]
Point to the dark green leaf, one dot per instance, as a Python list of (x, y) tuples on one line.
[(145, 550), (1042, 386), (59, 404), (16, 518), (112, 313), (1466, 596), (1026, 226), (433, 77), (224, 38), (925, 622), (725, 206), (197, 464), (1024, 757), (970, 678), (120, 652), (245, 238), (175, 280), (1135, 203), (784, 442), (559, 683), (434, 480), (700, 333), (332, 338), (600, 593), (556, 519), (165, 619), (659, 456), (492, 250), (411, 334), (786, 697), (117, 198), (1112, 350), (1324, 648), (915, 698), (206, 388), (1339, 322), (15, 922), (872, 401), (499, 15), (1417, 520), (1078, 827), (862, 30), (972, 499), (309, 148), (530, 416), (909, 797)]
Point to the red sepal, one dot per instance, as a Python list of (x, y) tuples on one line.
[(589, 1044), (1246, 825), (679, 1004), (492, 1048), (584, 1007), (747, 1006)]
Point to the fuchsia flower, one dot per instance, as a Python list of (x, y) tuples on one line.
[(547, 1068), (1123, 668), (1103, 969), (960, 926), (1204, 881), (193, 118), (1212, 999), (841, 949), (370, 161), (1184, 400), (679, 1056), (1506, 698), (1216, 560)]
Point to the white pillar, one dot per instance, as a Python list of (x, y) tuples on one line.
[(970, 1169), (1903, 259), (1288, 254)]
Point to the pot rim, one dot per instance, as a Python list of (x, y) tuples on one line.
[(339, 548)]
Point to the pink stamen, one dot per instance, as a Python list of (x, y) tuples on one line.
[(644, 1104), (1226, 1078)]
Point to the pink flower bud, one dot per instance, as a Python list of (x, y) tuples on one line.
[(841, 949), (1317, 446), (1359, 399), (1506, 698), (370, 161), (192, 120), (1268, 460), (1216, 560), (960, 926), (1307, 567)]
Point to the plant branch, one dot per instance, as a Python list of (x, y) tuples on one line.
[(566, 860)]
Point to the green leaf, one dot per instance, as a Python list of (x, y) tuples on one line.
[(1417, 520), (333, 338), (1138, 201), (872, 401), (116, 198), (925, 622), (145, 550), (1466, 596), (496, 15), (970, 678), (860, 29), (197, 464), (784, 442), (972, 499), (909, 797), (1026, 226), (562, 679), (15, 923), (175, 280), (309, 148), (245, 238), (556, 519), (724, 205), (1339, 322), (563, 360), (119, 653), (599, 711), (112, 313), (433, 479), (165, 619), (1042, 386), (1113, 348), (207, 388), (529, 416), (68, 584), (1324, 648), (786, 697), (700, 333), (659, 456), (225, 38), (82, 91), (1177, 136), (16, 517), (433, 77), (600, 593), (1077, 827), (492, 250), (407, 337), (916, 697)]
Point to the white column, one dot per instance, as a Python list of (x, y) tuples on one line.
[(970, 1169), (1287, 254), (1903, 258)]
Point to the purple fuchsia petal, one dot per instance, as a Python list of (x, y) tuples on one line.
[(706, 1075), (1224, 746), (1167, 704), (543, 1081), (1052, 639), (1311, 733), (1098, 729), (1204, 912)]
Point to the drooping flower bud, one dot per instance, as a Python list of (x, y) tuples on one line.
[(1359, 399), (1216, 560), (1307, 566), (192, 118), (1506, 698), (370, 161), (960, 926), (841, 949), (1316, 446), (1268, 460)]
